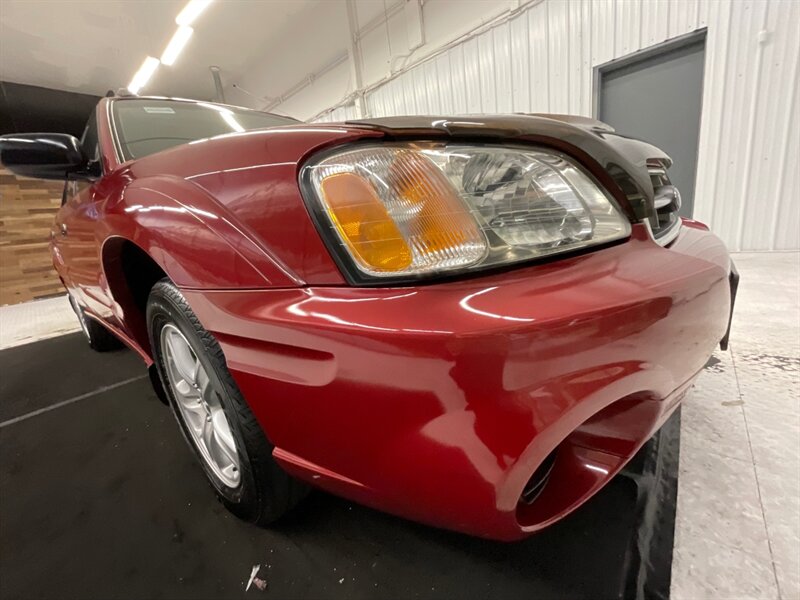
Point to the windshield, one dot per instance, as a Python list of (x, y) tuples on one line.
[(146, 126)]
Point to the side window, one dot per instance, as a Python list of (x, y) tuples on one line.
[(89, 140)]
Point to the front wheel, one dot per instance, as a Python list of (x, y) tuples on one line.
[(212, 414)]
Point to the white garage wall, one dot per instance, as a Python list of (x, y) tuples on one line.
[(542, 59)]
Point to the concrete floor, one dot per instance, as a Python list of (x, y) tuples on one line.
[(738, 520), (37, 320), (738, 514)]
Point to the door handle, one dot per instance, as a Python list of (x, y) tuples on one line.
[(64, 230)]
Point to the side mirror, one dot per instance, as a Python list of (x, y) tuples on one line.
[(43, 155)]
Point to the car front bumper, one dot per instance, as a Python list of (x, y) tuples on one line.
[(438, 402)]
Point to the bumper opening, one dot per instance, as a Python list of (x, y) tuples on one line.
[(538, 480), (587, 459)]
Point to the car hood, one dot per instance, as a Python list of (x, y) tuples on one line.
[(620, 163), (514, 126), (251, 178), (621, 158)]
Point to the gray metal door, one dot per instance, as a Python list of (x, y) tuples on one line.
[(657, 98)]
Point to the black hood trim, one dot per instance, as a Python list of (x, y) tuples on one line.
[(618, 162)]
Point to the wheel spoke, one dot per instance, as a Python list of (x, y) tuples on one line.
[(205, 388), (191, 402), (207, 433), (186, 364), (199, 405), (197, 369), (196, 421), (223, 438)]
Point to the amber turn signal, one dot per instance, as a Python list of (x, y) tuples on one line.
[(363, 222), (397, 213)]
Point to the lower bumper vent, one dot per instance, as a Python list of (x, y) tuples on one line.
[(538, 480)]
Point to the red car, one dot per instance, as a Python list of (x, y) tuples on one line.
[(473, 322)]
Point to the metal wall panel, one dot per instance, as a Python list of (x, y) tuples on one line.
[(655, 23), (558, 50), (502, 69), (539, 75), (543, 60), (406, 83), (580, 69), (458, 80), (446, 90), (683, 17), (339, 114), (520, 65), (472, 76), (486, 69), (627, 27), (603, 27)]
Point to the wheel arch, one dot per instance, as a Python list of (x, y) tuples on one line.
[(131, 273), (150, 235)]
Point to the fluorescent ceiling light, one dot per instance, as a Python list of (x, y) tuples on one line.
[(143, 75), (191, 11), (176, 44), (226, 114)]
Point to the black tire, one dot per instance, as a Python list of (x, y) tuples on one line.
[(265, 491), (100, 339)]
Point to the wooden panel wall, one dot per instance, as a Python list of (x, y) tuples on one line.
[(27, 210)]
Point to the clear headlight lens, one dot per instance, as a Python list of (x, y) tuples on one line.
[(408, 210)]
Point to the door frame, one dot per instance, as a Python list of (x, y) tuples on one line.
[(664, 47)]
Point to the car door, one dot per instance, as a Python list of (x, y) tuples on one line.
[(77, 234)]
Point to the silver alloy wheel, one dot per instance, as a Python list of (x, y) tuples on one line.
[(200, 406)]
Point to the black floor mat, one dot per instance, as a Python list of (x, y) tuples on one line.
[(38, 375), (102, 499)]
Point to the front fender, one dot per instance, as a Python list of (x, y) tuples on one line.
[(194, 239)]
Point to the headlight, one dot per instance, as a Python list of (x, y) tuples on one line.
[(410, 210)]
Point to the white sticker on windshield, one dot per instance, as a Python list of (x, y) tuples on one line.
[(159, 110)]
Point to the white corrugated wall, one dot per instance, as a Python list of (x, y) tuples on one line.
[(543, 59)]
